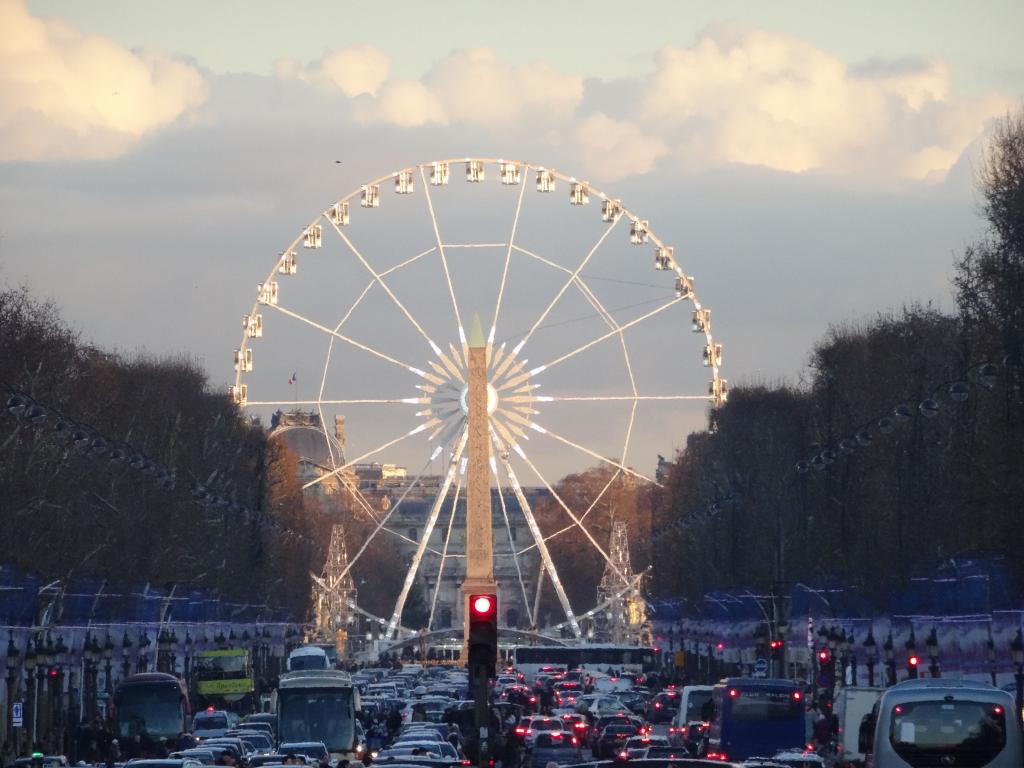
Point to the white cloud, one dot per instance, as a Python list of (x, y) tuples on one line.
[(354, 71), (468, 86), (475, 86), (616, 148), (742, 95), (68, 95), (405, 103)]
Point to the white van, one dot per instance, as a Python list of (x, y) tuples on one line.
[(944, 722), (693, 708), (851, 706)]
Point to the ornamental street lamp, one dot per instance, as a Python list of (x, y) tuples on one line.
[(990, 655), (871, 652), (890, 659), (126, 661), (1017, 652), (12, 672), (108, 655), (850, 652), (30, 683), (932, 644)]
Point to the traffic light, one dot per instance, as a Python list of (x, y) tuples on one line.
[(826, 670), (483, 635), (912, 662)]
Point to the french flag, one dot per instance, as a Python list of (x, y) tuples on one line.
[(294, 378)]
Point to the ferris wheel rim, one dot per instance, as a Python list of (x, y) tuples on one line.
[(615, 330)]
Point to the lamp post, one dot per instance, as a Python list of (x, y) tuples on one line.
[(12, 672), (912, 660), (871, 654), (91, 653), (932, 644), (849, 651), (142, 665), (890, 659), (108, 656), (126, 661), (1017, 652), (30, 683), (990, 653), (61, 660)]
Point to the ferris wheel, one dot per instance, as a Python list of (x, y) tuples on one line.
[(377, 325)]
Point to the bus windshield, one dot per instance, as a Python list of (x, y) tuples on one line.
[(766, 704), (149, 710), (221, 667), (325, 715), (928, 733)]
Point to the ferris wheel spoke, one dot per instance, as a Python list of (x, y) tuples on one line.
[(511, 543), (377, 278), (590, 508), (605, 398), (407, 262), (575, 274), (547, 563), (579, 524), (347, 340), (504, 271), (428, 529), (347, 465), (599, 339), (444, 261), (381, 523), (593, 454), (444, 553), (364, 401)]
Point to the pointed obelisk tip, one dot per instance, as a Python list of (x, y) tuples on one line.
[(476, 333)]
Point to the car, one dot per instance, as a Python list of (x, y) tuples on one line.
[(268, 719), (612, 740), (204, 756), (314, 749), (637, 746), (261, 741), (259, 726), (663, 707), (529, 727), (553, 747), (49, 761), (164, 763), (210, 724)]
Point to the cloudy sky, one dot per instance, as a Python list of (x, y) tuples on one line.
[(810, 164)]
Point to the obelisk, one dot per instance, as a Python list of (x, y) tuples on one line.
[(479, 538)]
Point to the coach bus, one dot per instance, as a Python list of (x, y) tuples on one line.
[(755, 717), (148, 707), (532, 660), (318, 705)]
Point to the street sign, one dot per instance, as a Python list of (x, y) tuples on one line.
[(679, 660), (761, 667), (17, 714)]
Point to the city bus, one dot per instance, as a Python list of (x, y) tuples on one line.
[(148, 707), (224, 676), (755, 717), (532, 660), (318, 705)]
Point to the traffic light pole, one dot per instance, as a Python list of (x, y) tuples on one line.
[(479, 650)]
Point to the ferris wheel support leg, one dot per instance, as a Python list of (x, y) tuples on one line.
[(538, 537), (511, 543), (435, 511), (536, 599)]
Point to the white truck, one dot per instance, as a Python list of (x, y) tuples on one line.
[(850, 707)]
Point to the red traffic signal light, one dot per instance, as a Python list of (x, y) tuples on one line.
[(824, 656), (913, 661), (482, 605), (775, 644)]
